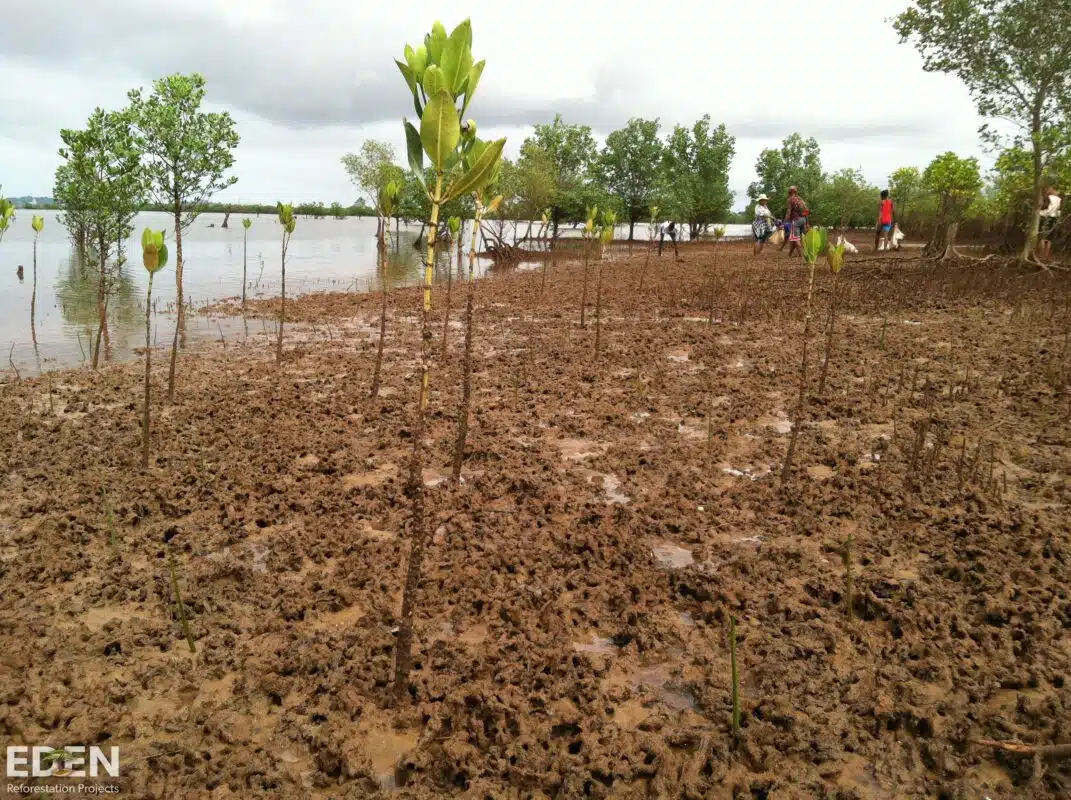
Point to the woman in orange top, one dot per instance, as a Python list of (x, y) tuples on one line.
[(885, 220)]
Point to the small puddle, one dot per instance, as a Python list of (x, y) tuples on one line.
[(679, 356), (820, 472), (580, 449), (474, 635), (779, 423), (597, 645), (745, 473), (669, 691), (375, 477), (672, 556), (611, 486), (338, 619)]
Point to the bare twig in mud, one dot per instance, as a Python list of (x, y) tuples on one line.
[(179, 605), (108, 515), (10, 361), (849, 595), (385, 201), (1049, 752), (735, 680), (52, 408)]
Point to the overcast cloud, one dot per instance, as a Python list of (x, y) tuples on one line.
[(308, 81)]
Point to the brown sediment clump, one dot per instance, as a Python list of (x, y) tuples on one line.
[(571, 631)]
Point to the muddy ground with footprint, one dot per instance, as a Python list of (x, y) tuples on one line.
[(572, 627)]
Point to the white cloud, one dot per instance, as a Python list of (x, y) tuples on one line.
[(309, 81)]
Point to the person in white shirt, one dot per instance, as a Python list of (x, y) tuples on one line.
[(1050, 218), (668, 229), (763, 227)]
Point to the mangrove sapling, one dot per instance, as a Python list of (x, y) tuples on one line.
[(543, 224), (37, 223), (7, 216), (154, 257), (589, 234), (835, 257), (735, 680), (386, 198), (652, 230), (719, 234), (846, 557), (606, 235), (814, 244), (440, 74), (180, 607), (245, 242), (453, 225), (288, 222), (470, 300)]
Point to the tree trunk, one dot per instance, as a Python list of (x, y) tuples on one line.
[(102, 305), (829, 335), (1031, 243), (33, 295), (449, 300), (403, 659), (282, 302), (584, 291), (382, 247), (801, 403), (631, 230), (466, 371), (180, 321), (145, 427), (245, 250)]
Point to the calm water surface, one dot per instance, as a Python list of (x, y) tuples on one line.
[(324, 255)]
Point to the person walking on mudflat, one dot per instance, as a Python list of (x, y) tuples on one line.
[(1050, 218), (763, 227), (883, 231), (796, 216)]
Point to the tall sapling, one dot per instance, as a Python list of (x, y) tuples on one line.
[(246, 223), (815, 242), (441, 75), (287, 221), (154, 257)]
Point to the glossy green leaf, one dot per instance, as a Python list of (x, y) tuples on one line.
[(434, 81), (37, 223), (415, 151), (436, 43), (246, 223), (440, 128), (473, 81), (478, 175), (457, 58), (835, 256), (419, 62), (161, 257), (454, 224), (407, 73)]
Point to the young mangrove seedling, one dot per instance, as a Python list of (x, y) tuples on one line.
[(544, 223), (735, 679), (442, 78), (835, 257), (180, 607), (719, 234), (606, 235), (37, 223), (589, 233), (453, 225), (154, 257), (466, 369), (815, 242), (246, 223), (652, 231), (288, 222), (849, 596), (386, 197), (7, 216)]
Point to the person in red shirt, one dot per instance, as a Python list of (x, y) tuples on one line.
[(885, 221)]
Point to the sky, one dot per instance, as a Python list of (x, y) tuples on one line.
[(307, 82)]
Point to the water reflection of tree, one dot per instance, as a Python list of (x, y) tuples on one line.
[(405, 262), (77, 295)]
